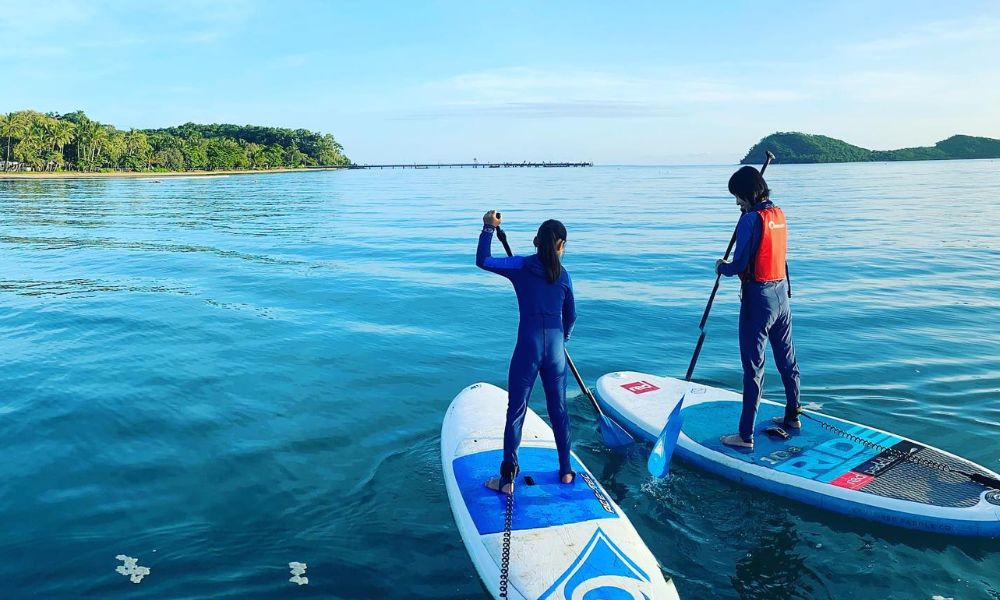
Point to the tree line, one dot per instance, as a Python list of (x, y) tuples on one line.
[(795, 147), (33, 141)]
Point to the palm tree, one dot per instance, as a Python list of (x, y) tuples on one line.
[(13, 125), (99, 141), (253, 153), (31, 148), (62, 134), (136, 149), (115, 144)]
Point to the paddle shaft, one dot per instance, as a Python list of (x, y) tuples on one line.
[(583, 386), (715, 290)]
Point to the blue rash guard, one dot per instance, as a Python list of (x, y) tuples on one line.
[(765, 316), (547, 315)]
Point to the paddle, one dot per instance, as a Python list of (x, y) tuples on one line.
[(612, 433), (715, 290), (659, 459)]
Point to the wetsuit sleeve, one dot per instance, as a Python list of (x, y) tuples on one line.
[(569, 309), (505, 266), (747, 240)]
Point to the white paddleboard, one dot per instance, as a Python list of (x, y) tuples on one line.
[(816, 466), (568, 541)]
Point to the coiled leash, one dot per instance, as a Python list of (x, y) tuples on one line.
[(983, 480), (508, 471), (505, 553)]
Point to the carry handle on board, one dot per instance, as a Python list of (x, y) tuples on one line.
[(715, 289)]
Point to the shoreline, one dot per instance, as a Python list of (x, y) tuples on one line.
[(154, 175)]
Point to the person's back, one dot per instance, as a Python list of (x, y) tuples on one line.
[(539, 302), (765, 315), (547, 314)]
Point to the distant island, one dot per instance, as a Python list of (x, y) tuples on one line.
[(33, 142), (794, 147)]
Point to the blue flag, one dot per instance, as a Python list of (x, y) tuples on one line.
[(659, 458)]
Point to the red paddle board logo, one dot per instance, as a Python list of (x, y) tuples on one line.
[(640, 387), (852, 480)]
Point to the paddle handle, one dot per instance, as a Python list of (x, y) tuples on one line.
[(502, 236)]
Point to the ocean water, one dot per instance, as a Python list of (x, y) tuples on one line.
[(219, 376)]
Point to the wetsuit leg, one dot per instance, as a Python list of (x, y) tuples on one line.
[(757, 313), (524, 366), (784, 353), (553, 373)]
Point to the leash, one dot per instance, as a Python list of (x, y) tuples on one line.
[(983, 480), (505, 553)]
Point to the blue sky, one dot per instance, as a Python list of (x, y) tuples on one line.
[(612, 82)]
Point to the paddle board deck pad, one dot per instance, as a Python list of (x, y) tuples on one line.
[(568, 541), (815, 466)]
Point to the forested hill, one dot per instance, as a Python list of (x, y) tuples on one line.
[(794, 147), (33, 141)]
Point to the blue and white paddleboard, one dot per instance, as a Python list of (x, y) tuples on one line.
[(816, 466), (568, 541)]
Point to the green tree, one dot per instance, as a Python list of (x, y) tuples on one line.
[(295, 157), (195, 151), (137, 150), (274, 157), (253, 152), (112, 151), (224, 154), (62, 135), (13, 125), (171, 159), (76, 141)]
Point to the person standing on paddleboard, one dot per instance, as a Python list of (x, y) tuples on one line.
[(759, 260), (547, 314)]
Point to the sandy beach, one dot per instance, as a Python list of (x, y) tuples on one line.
[(152, 175)]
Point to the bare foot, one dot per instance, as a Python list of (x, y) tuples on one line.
[(568, 477), (736, 441), (494, 484)]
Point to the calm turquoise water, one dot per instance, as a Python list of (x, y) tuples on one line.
[(220, 376)]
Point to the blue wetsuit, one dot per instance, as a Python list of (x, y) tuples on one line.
[(547, 316), (764, 315)]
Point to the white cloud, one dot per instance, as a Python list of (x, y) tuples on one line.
[(951, 32), (531, 93)]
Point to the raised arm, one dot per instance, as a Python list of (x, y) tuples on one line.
[(568, 309), (505, 266)]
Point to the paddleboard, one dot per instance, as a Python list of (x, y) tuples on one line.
[(815, 466), (568, 541)]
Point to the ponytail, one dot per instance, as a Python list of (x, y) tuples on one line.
[(549, 234)]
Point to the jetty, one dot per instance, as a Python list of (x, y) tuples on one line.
[(471, 165)]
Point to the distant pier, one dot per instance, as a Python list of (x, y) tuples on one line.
[(473, 165)]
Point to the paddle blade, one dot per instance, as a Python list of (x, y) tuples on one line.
[(659, 459), (612, 433)]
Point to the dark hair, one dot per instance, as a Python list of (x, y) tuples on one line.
[(749, 185), (549, 234)]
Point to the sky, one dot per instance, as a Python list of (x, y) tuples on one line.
[(610, 82)]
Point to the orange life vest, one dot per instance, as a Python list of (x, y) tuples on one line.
[(769, 262)]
